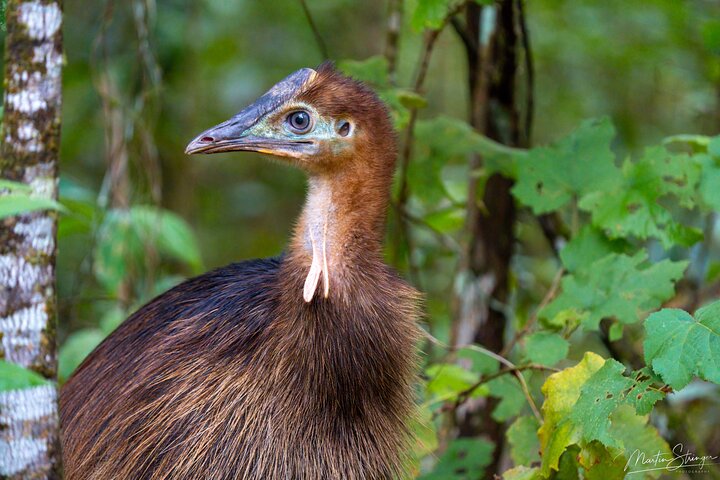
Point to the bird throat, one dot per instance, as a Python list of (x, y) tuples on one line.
[(318, 218)]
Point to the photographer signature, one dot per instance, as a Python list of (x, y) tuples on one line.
[(662, 461)]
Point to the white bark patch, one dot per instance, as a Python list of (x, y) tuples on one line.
[(16, 455), (27, 138), (21, 446), (27, 404), (31, 98), (42, 186), (41, 21), (15, 272), (21, 335), (39, 230)]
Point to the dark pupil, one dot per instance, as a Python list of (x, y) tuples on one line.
[(300, 120)]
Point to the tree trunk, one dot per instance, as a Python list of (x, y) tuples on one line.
[(500, 109), (29, 440)]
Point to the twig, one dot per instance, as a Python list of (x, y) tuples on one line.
[(318, 38), (549, 296), (529, 74), (395, 12), (446, 240), (511, 368), (470, 42)]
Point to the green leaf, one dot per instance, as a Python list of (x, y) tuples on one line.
[(699, 142), (447, 220), (561, 392), (678, 346), (372, 70), (410, 99), (440, 141), (616, 286), (118, 250), (77, 346), (603, 393), (512, 399), (546, 348), (112, 319), (170, 232), (446, 380), (522, 472), (126, 236), (587, 246), (16, 203), (709, 187), (593, 406), (430, 13), (632, 205), (548, 178), (524, 442), (16, 377), (14, 186), (463, 459)]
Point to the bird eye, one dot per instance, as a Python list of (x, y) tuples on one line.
[(299, 122), (344, 129)]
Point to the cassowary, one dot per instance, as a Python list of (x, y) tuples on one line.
[(295, 367)]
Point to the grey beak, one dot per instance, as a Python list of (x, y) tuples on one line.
[(231, 135)]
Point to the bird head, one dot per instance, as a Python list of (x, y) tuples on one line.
[(319, 120)]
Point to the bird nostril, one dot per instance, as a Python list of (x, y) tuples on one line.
[(207, 139)]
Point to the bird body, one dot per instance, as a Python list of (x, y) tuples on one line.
[(297, 367)]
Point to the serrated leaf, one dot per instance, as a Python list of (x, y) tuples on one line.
[(561, 391), (463, 459), (524, 442), (632, 206), (603, 393), (16, 377), (546, 348), (616, 286), (587, 246), (678, 346), (548, 178), (590, 407)]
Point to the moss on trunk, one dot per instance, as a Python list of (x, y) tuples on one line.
[(29, 432)]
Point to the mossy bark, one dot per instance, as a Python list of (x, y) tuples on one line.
[(29, 427), (501, 108)]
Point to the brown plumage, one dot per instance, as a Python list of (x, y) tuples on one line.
[(260, 370)]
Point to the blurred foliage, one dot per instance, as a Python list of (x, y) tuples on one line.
[(626, 106)]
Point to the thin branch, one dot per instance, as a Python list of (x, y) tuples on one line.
[(462, 31), (395, 12), (318, 38), (511, 368), (549, 296), (529, 74), (446, 240)]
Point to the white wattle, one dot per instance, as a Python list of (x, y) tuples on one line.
[(313, 276)]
